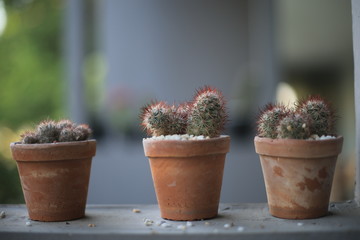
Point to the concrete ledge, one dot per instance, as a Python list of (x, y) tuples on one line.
[(247, 221)]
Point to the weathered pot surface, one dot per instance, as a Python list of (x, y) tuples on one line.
[(55, 178), (298, 175), (187, 176)]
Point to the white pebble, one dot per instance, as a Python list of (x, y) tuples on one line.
[(2, 214), (240, 229), (300, 224), (148, 222), (136, 210), (158, 223), (189, 224), (181, 227), (165, 225), (182, 137), (28, 223), (228, 225)]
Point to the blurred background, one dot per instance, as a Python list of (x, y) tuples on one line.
[(99, 61)]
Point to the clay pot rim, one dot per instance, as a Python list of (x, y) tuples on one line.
[(53, 151), (298, 148), (49, 145), (186, 148)]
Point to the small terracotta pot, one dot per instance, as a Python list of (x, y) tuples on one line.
[(55, 178), (187, 176), (298, 175)]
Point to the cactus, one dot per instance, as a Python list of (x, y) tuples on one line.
[(311, 116), (29, 138), (178, 119), (269, 119), (207, 113), (50, 131), (320, 112), (156, 118), (82, 132), (47, 132), (294, 126), (67, 135), (64, 124)]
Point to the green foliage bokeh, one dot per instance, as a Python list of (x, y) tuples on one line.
[(30, 59), (31, 79)]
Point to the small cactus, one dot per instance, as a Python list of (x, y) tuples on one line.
[(294, 126), (205, 115), (311, 116), (47, 132), (63, 131), (320, 112), (269, 119), (178, 119), (29, 138), (156, 118)]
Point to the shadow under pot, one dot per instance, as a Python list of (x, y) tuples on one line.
[(298, 175), (187, 176), (55, 178)]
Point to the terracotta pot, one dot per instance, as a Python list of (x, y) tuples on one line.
[(187, 176), (55, 178), (298, 175)]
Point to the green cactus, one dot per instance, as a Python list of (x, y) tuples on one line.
[(67, 135), (82, 132), (65, 123), (47, 132), (178, 119), (269, 119), (156, 118), (29, 138), (50, 131), (207, 113), (311, 116), (320, 112), (294, 126)]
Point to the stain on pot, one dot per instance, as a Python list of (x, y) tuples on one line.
[(323, 173), (310, 184), (278, 171)]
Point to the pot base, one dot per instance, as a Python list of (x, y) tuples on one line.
[(176, 214), (287, 213), (58, 217)]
